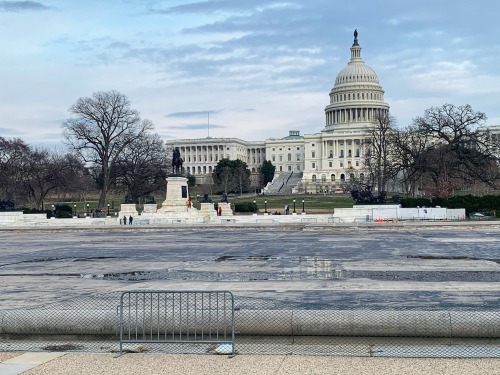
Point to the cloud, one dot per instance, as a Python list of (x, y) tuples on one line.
[(192, 113), (210, 7), (8, 131), (197, 126), (21, 6)]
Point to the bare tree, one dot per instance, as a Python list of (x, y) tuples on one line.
[(445, 148), (409, 147), (378, 156), (104, 125), (142, 167), (13, 154)]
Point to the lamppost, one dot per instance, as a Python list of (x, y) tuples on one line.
[(254, 206), (53, 208), (303, 206), (108, 210), (294, 207), (265, 206), (74, 209), (87, 209)]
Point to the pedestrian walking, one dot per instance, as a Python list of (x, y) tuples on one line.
[(124, 220), (287, 209), (219, 211), (130, 220)]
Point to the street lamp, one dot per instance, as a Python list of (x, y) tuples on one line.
[(87, 209), (303, 206), (53, 211), (254, 206), (108, 210), (294, 207), (74, 209), (265, 206)]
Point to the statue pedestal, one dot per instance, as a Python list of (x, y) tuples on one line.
[(226, 209), (127, 209), (150, 208), (177, 195), (207, 210)]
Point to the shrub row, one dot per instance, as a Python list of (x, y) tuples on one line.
[(245, 207), (471, 203)]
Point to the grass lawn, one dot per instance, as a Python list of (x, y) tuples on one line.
[(313, 203), (316, 203)]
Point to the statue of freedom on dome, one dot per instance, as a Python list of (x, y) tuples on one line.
[(355, 38)]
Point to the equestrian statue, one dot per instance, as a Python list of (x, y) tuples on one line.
[(177, 162)]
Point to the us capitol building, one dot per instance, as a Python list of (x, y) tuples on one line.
[(321, 162)]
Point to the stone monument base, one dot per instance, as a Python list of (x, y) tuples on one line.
[(127, 209), (207, 211), (150, 208), (226, 209)]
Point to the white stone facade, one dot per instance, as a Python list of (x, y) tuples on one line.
[(287, 154), (202, 155)]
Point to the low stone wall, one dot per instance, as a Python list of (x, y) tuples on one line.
[(10, 217), (374, 323)]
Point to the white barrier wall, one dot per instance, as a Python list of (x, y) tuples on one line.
[(10, 216)]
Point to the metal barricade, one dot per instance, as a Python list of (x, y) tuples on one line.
[(156, 316)]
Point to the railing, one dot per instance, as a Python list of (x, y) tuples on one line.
[(177, 317), (202, 322)]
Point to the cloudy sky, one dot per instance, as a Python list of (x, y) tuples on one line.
[(258, 67)]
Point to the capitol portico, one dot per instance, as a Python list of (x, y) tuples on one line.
[(325, 161)]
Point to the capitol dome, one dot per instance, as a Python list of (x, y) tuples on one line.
[(356, 72), (357, 98)]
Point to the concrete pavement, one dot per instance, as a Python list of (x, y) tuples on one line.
[(156, 364)]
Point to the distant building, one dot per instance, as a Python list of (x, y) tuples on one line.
[(202, 155), (326, 161)]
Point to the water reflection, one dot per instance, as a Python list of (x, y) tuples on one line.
[(321, 268)]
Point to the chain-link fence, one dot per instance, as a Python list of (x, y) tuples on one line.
[(266, 326)]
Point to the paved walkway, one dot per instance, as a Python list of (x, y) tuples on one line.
[(153, 364)]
